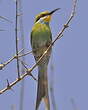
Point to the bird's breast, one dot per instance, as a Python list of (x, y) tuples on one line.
[(41, 35)]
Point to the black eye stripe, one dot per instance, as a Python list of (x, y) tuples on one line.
[(37, 19), (42, 15)]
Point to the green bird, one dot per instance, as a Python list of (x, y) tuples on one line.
[(41, 38)]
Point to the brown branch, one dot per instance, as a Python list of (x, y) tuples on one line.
[(28, 73), (68, 21), (60, 34), (15, 57), (10, 60), (28, 70)]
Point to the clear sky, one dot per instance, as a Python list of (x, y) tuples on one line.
[(70, 54)]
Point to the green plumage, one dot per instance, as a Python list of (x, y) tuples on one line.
[(40, 35), (41, 38)]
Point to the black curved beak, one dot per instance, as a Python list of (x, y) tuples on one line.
[(54, 11)]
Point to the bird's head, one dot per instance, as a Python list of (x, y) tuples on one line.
[(45, 16)]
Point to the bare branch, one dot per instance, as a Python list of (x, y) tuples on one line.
[(67, 23), (28, 70), (18, 70), (28, 73), (11, 59), (15, 57), (1, 17), (12, 84)]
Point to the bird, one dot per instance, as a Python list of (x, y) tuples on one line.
[(40, 39)]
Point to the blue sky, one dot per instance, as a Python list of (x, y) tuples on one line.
[(70, 54)]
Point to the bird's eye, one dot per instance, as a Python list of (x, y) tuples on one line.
[(37, 19), (43, 15)]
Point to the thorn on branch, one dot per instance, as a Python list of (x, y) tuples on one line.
[(24, 65), (29, 73), (33, 77), (8, 84), (15, 57), (66, 26), (20, 14), (19, 78), (1, 66), (28, 70)]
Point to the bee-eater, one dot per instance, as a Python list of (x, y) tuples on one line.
[(41, 38)]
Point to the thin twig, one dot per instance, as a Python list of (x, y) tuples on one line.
[(10, 60), (60, 34), (28, 73), (21, 55), (28, 70), (13, 83), (22, 62), (18, 70), (15, 57), (1, 17)]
